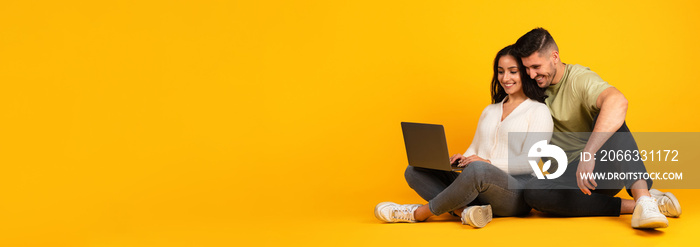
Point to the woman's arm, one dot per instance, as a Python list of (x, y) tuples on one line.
[(473, 148)]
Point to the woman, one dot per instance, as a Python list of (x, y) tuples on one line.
[(488, 185)]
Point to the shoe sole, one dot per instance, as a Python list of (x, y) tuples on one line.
[(670, 195), (650, 223), (479, 216)]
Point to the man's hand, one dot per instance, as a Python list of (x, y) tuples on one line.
[(585, 168)]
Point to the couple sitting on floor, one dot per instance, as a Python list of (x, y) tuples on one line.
[(532, 90)]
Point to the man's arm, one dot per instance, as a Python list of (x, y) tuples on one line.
[(613, 109)]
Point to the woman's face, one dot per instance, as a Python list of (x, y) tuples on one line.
[(509, 75)]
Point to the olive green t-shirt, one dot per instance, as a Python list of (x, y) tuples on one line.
[(572, 103)]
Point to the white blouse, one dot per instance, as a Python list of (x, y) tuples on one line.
[(491, 139)]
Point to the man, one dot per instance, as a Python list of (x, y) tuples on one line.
[(580, 101)]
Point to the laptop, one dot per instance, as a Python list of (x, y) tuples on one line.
[(426, 146)]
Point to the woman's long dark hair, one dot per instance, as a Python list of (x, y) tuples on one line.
[(530, 87)]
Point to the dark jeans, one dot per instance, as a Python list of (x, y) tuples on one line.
[(562, 196), (479, 183)]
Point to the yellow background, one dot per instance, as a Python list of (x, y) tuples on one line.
[(233, 123)]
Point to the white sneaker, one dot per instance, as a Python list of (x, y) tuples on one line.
[(668, 204), (646, 214), (477, 216), (392, 212)]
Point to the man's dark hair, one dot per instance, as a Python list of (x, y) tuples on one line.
[(537, 40)]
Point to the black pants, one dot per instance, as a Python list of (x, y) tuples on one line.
[(562, 196)]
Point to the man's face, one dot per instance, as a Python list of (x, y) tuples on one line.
[(541, 68)]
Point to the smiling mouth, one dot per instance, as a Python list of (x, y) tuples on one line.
[(539, 78), (508, 84)]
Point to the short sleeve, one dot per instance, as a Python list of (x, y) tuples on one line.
[(590, 86)]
